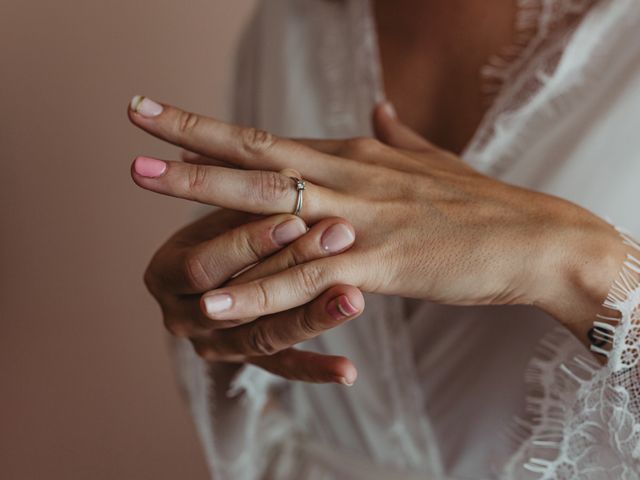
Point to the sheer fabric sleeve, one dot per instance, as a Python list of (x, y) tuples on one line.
[(585, 418), (227, 405)]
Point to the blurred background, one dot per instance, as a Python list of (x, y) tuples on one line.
[(88, 389)]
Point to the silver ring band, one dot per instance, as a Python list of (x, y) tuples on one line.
[(300, 187)]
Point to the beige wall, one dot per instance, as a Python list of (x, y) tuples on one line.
[(87, 386)]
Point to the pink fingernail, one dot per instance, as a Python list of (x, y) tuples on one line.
[(340, 308), (288, 231), (337, 238), (145, 106), (217, 303), (149, 167)]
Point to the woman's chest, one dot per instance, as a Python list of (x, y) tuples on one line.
[(432, 55)]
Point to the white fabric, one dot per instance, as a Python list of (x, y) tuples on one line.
[(439, 387)]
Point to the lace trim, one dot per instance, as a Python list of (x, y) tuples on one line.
[(500, 66), (536, 22), (523, 83), (584, 419), (623, 334)]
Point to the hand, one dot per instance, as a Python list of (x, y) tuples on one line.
[(428, 225), (208, 252)]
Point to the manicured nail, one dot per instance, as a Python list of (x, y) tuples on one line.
[(149, 167), (288, 231), (220, 302), (145, 106), (340, 308), (345, 382), (337, 238), (389, 109)]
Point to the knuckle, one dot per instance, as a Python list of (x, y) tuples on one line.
[(307, 323), (296, 255), (195, 274), (310, 278), (198, 178), (270, 186), (149, 279), (250, 246), (256, 141), (187, 122), (262, 298), (361, 146), (259, 342), (177, 328), (153, 279)]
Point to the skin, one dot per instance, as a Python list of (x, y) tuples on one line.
[(432, 53), (428, 226), (471, 236), (223, 243)]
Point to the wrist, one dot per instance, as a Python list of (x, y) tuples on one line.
[(584, 257)]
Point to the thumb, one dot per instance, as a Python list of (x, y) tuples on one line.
[(393, 132)]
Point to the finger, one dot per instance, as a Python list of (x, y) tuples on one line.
[(183, 315), (305, 366), (330, 236), (191, 157), (274, 333), (252, 191), (282, 291), (196, 269), (211, 225), (183, 318), (393, 132), (290, 172), (330, 146), (244, 147), (292, 364)]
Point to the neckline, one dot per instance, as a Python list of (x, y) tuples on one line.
[(539, 24)]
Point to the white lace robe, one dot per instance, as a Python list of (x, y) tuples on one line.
[(452, 392)]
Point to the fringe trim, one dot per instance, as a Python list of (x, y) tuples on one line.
[(529, 31), (622, 334), (555, 375), (527, 88), (536, 22)]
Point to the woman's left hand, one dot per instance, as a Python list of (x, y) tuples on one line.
[(428, 226)]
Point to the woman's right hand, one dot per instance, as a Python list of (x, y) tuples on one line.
[(210, 252)]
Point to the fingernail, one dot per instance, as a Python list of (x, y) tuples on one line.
[(145, 106), (337, 238), (288, 231), (217, 303), (389, 109), (149, 167), (340, 308), (345, 382)]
